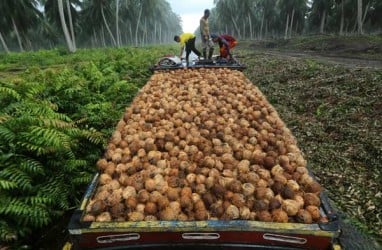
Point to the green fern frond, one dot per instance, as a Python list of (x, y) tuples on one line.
[(73, 90), (36, 200), (52, 106), (4, 158), (30, 165), (21, 120), (33, 148), (7, 185), (39, 110), (7, 233), (33, 89), (20, 179), (4, 117), (81, 121), (6, 135), (82, 178), (51, 139), (35, 215), (14, 206), (73, 164), (57, 190), (10, 92), (69, 155), (95, 136), (56, 123)]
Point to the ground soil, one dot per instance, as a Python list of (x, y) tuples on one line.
[(328, 58), (356, 51)]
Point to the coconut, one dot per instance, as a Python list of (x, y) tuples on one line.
[(279, 215)]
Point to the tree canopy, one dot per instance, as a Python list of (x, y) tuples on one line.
[(35, 24)]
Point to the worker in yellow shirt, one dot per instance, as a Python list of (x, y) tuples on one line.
[(187, 40)]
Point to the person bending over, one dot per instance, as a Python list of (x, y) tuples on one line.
[(187, 40), (226, 44)]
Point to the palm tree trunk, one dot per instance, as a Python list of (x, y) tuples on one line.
[(160, 33), (64, 27), (342, 18), (291, 24), (365, 13), (4, 43), (155, 32), (250, 26), (236, 27), (144, 35), (95, 40), (286, 27), (243, 31), (261, 25), (136, 28), (103, 40), (17, 35), (71, 24), (107, 27), (117, 23), (28, 44), (323, 17), (359, 16), (131, 34)]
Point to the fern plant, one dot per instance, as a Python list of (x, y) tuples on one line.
[(53, 126), (42, 164)]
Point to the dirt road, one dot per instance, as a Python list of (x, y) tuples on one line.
[(352, 62)]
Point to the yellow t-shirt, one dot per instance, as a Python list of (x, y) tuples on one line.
[(185, 37)]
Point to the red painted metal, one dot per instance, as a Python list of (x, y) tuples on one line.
[(89, 240)]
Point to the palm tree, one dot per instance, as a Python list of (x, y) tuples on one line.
[(4, 43), (3, 29), (138, 18), (98, 13), (319, 13), (269, 15), (21, 15), (69, 40), (228, 10), (294, 13), (341, 2)]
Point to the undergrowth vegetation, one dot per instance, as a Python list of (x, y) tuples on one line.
[(57, 111), (335, 114)]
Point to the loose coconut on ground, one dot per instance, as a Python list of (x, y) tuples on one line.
[(203, 145)]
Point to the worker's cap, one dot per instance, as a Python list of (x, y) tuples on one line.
[(214, 36)]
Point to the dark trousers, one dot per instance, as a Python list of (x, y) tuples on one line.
[(190, 46)]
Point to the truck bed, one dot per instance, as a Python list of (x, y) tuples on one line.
[(209, 234)]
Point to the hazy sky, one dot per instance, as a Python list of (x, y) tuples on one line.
[(190, 11)]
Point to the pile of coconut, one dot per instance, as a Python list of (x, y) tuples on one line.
[(203, 144)]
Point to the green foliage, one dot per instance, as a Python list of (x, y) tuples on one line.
[(39, 153), (54, 124)]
